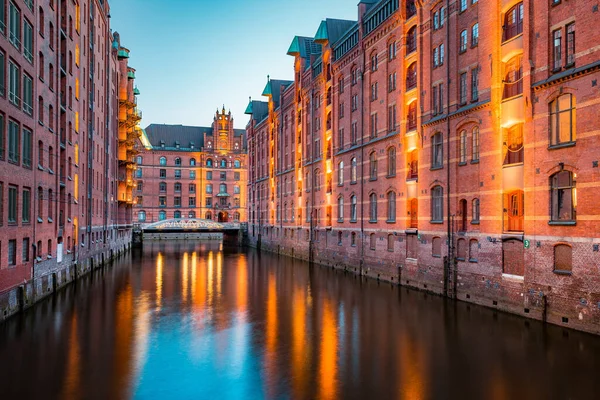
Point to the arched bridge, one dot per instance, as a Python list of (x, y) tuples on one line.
[(178, 225)]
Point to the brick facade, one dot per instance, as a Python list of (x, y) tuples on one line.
[(64, 80), (449, 146), (192, 172)]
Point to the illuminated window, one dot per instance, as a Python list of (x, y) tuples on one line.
[(513, 22), (513, 145)]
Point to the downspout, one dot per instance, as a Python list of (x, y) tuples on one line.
[(450, 260), (311, 180), (362, 158)]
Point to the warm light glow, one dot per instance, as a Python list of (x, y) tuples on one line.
[(77, 88), (210, 277), (328, 361), (299, 350), (76, 185), (184, 278), (159, 280), (271, 334), (77, 121), (72, 373), (242, 284)]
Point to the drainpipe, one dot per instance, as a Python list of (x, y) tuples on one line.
[(449, 265), (362, 158), (311, 180)]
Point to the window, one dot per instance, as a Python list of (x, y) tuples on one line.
[(513, 22), (436, 58), (437, 148), (209, 202), (162, 161), (162, 201), (514, 145), (28, 41), (341, 84), (353, 210), (192, 174), (437, 205), (2, 73), (25, 250), (372, 241), (373, 207), (354, 76), (557, 49), (374, 90), (474, 35), (163, 173), (192, 214), (13, 142), (373, 125), (354, 132), (563, 259), (340, 173), (570, 45), (209, 188), (463, 88), (141, 216), (236, 189), (462, 147), (191, 201), (373, 166), (475, 211), (411, 117), (15, 25), (563, 203), (411, 76), (353, 167), (237, 164), (27, 147), (463, 5), (392, 82), (436, 247), (222, 188), (162, 186), (223, 163), (12, 204), (392, 118), (474, 84), (374, 62), (391, 206), (223, 176), (178, 161), (562, 120), (341, 138), (177, 214), (162, 215), (391, 51), (14, 84), (463, 41), (177, 187), (411, 8), (12, 252), (340, 209), (208, 215), (461, 249), (473, 250), (411, 40), (391, 161), (209, 162), (177, 173), (26, 206), (192, 188)]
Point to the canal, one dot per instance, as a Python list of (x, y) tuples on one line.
[(196, 321)]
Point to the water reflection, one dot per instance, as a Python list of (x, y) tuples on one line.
[(184, 320)]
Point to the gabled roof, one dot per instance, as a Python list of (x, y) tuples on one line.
[(304, 47), (258, 110), (331, 30), (273, 89)]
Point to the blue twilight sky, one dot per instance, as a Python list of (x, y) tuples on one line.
[(192, 56)]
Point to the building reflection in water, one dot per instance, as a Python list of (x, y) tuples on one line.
[(197, 320)]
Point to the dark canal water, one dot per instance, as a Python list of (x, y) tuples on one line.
[(194, 321)]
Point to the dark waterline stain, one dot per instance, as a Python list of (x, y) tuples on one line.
[(198, 321)]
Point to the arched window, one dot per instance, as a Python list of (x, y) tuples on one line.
[(411, 40), (341, 173), (461, 249), (139, 160), (372, 241), (237, 164), (162, 161), (192, 162), (436, 247), (142, 216), (177, 215), (391, 161), (463, 41), (373, 166), (353, 165), (209, 162), (162, 215), (373, 207), (563, 259), (513, 138), (411, 76), (513, 78), (192, 214), (223, 163), (473, 250), (563, 197), (513, 22), (462, 147), (390, 242), (353, 208), (437, 150), (562, 120), (475, 211), (208, 215), (475, 145), (222, 188), (437, 204), (391, 206), (341, 209)]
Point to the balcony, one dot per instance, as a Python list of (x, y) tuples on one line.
[(413, 171), (512, 30), (411, 81), (512, 89)]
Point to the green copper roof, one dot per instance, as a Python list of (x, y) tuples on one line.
[(249, 108), (268, 89), (123, 53), (130, 75), (294, 49), (322, 35), (136, 91)]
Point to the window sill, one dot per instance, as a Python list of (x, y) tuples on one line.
[(474, 222), (371, 221), (460, 259), (561, 145), (474, 161), (436, 222), (435, 168), (353, 183), (390, 176), (460, 164), (353, 221), (561, 272), (340, 220), (473, 260), (436, 256), (562, 223)]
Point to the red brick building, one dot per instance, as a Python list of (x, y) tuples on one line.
[(64, 86), (192, 172), (447, 146)]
